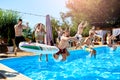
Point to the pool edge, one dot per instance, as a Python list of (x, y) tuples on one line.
[(12, 74)]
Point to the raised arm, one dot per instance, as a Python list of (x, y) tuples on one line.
[(85, 24), (44, 30), (81, 22), (25, 26), (55, 29), (80, 25)]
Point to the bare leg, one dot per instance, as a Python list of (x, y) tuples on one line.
[(40, 56), (93, 53), (64, 55), (47, 57), (67, 53), (85, 24), (15, 51), (56, 56), (114, 47), (77, 46), (14, 47)]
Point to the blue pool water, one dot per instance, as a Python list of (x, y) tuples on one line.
[(79, 66)]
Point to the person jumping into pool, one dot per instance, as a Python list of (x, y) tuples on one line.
[(59, 32), (78, 35), (88, 45), (63, 44), (109, 39)]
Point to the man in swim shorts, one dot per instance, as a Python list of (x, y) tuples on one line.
[(19, 27), (63, 44)]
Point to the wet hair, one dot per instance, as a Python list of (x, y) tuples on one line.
[(39, 24)]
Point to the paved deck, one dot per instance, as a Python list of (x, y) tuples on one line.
[(11, 74)]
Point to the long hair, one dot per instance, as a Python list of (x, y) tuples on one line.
[(39, 24)]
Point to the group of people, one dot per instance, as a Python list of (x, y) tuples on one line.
[(63, 39), (39, 34), (87, 44)]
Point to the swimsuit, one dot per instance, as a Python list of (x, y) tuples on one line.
[(86, 48), (78, 36), (61, 51), (37, 34), (19, 39)]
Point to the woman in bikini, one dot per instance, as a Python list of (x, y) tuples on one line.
[(39, 36)]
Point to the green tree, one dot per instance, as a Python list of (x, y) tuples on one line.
[(8, 19), (54, 24), (97, 12)]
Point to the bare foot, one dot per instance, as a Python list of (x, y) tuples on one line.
[(55, 56), (15, 51)]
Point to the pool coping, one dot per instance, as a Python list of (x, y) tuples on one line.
[(11, 74)]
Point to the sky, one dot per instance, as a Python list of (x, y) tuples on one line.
[(40, 7)]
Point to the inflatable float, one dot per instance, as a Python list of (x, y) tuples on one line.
[(38, 48)]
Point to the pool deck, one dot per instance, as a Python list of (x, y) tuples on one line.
[(7, 73)]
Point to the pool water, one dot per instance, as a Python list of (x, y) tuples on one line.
[(78, 66)]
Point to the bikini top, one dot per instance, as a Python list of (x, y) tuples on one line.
[(39, 33)]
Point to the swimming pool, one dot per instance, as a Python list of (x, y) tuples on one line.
[(78, 66)]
